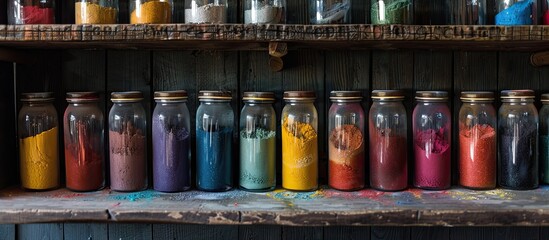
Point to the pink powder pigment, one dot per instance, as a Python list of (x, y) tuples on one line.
[(432, 159), (37, 15)]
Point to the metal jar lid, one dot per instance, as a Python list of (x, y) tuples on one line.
[(207, 95), (346, 96), (477, 96), (131, 96), (299, 96), (82, 97), (37, 97), (388, 95), (545, 98), (176, 95), (517, 94), (258, 97), (432, 96)]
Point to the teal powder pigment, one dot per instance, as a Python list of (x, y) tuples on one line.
[(258, 160)]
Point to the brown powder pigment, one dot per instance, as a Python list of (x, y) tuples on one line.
[(128, 159), (346, 165)]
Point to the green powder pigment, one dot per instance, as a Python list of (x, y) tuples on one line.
[(258, 160), (396, 12)]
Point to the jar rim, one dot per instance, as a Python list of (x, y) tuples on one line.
[(518, 94), (432, 95), (345, 96), (388, 94), (545, 97), (129, 96), (37, 97), (82, 96), (477, 96), (174, 95), (299, 95), (213, 95), (258, 96)]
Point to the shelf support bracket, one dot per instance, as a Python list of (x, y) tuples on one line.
[(540, 59), (277, 50)]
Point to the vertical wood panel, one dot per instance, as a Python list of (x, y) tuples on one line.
[(8, 164), (346, 233), (516, 72), (297, 12), (459, 233), (420, 233), (428, 12), (256, 232), (91, 231), (360, 11), (194, 232), (130, 231), (387, 233), (7, 231), (43, 231), (517, 233), (302, 233)]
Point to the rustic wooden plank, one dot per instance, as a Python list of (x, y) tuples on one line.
[(431, 12), (515, 72), (297, 12), (46, 231), (254, 232), (95, 231), (195, 232), (350, 233), (472, 233), (305, 233), (516, 233), (360, 12), (386, 233), (442, 233), (134, 231), (8, 142), (7, 231)]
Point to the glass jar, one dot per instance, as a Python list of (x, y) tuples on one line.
[(265, 11), (171, 142), (38, 142), (206, 11), (516, 12), (96, 12), (432, 140), (214, 141), (84, 145), (544, 138), (477, 141), (388, 132), (151, 11), (329, 11), (258, 142), (518, 140), (467, 12), (31, 12), (128, 142), (391, 11), (545, 12), (346, 141), (299, 141)]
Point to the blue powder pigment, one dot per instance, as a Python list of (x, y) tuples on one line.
[(133, 197), (517, 14), (213, 159)]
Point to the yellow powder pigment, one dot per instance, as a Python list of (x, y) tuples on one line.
[(92, 13), (299, 156), (39, 161), (152, 12)]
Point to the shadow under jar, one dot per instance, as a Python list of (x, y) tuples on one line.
[(84, 142), (206, 11), (329, 11), (151, 11), (96, 11)]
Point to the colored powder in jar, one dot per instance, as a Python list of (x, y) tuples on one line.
[(388, 160), (171, 163), (152, 12), (520, 13), (335, 12), (432, 159), (38, 15), (346, 165), (395, 12), (209, 13), (546, 18), (264, 14), (477, 156), (93, 13), (128, 159), (518, 156), (83, 161), (544, 157), (214, 159), (40, 161), (258, 159), (299, 156)]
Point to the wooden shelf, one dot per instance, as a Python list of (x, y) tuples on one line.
[(455, 207), (256, 37)]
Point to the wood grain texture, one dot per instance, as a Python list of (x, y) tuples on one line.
[(7, 231), (7, 127), (458, 233), (194, 232), (302, 233), (48, 231), (360, 12), (347, 233), (256, 232), (387, 233), (515, 72), (418, 233), (133, 231), (516, 233), (297, 12), (91, 231)]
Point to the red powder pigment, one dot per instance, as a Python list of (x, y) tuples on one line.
[(346, 165), (432, 160), (388, 160), (84, 164), (546, 18), (37, 15), (477, 157)]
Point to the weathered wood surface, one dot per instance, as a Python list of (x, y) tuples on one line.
[(324, 207), (246, 37)]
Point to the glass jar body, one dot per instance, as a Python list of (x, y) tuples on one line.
[(544, 142), (391, 11), (467, 12), (96, 12), (31, 12), (151, 11), (206, 11), (265, 12), (516, 12), (329, 11)]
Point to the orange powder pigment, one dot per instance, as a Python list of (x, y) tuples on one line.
[(346, 165), (477, 157)]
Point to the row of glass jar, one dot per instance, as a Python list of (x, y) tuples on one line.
[(509, 12)]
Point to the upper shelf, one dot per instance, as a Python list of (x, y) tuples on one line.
[(256, 37)]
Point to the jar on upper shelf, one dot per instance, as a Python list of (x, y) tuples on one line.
[(329, 11), (31, 12), (206, 11), (467, 12), (96, 12), (151, 11), (545, 12), (265, 11), (516, 12), (391, 11)]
